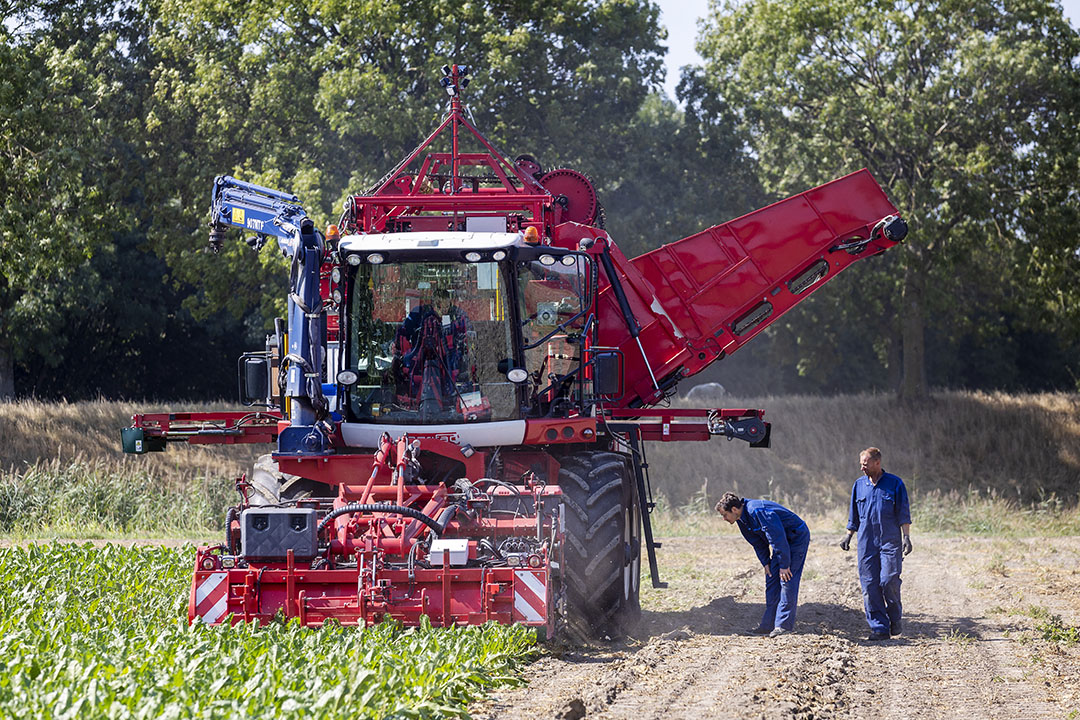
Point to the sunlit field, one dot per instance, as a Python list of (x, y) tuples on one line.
[(102, 632)]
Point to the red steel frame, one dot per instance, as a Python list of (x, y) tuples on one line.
[(365, 595), (401, 195), (368, 591), (210, 428)]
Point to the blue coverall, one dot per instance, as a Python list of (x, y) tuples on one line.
[(767, 525), (877, 512)]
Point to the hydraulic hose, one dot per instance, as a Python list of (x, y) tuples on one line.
[(230, 515), (437, 526), (446, 516)]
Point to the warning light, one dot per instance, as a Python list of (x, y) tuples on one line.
[(532, 235)]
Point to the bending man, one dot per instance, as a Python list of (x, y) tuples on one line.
[(880, 513), (780, 538)]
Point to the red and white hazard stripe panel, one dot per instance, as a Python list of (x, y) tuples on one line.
[(211, 598), (530, 596)]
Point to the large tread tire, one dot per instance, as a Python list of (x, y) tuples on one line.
[(602, 550), (270, 486)]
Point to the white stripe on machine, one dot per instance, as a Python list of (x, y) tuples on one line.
[(212, 598), (208, 586), (530, 595)]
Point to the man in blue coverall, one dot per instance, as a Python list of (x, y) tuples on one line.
[(880, 513), (780, 538)]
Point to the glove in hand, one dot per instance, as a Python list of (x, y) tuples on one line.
[(845, 544), (907, 545)]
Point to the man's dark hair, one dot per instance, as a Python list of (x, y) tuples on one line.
[(728, 502)]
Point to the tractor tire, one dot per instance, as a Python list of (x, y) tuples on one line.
[(270, 486), (601, 563)]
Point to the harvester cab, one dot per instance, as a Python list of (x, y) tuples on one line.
[(461, 392), (455, 327)]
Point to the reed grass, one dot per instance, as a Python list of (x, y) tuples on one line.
[(63, 474), (949, 514), (974, 463), (92, 499)]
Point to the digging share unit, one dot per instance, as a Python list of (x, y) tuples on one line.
[(463, 386)]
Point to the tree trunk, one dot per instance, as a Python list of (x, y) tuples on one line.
[(913, 332), (894, 358), (7, 372)]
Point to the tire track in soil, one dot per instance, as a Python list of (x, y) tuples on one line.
[(953, 661), (693, 659)]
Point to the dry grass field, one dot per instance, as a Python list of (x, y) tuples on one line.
[(62, 474), (974, 463), (970, 451), (34, 432)]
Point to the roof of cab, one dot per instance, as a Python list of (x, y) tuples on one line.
[(427, 241)]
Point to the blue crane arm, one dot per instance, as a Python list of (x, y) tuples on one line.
[(272, 213), (264, 211)]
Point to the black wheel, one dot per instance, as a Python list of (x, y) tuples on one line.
[(602, 551), (270, 486)]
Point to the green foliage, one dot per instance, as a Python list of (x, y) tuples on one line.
[(85, 499), (1053, 630), (1038, 612), (115, 116), (323, 99), (102, 633), (975, 513), (139, 342), (65, 153), (676, 175), (950, 515), (955, 636), (966, 111), (81, 303)]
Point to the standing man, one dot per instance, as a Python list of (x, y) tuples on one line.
[(881, 515), (780, 539)]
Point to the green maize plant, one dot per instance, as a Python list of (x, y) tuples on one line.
[(91, 632)]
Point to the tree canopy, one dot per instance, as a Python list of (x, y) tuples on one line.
[(116, 115), (966, 111)]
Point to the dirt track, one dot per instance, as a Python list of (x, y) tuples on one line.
[(969, 650)]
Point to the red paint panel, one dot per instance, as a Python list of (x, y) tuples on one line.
[(846, 204), (672, 285), (716, 304), (706, 254), (665, 274), (781, 237)]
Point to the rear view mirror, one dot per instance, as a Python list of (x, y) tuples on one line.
[(607, 374), (254, 379)]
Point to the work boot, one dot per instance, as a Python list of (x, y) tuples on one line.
[(777, 632), (875, 637), (761, 631), (896, 629)]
